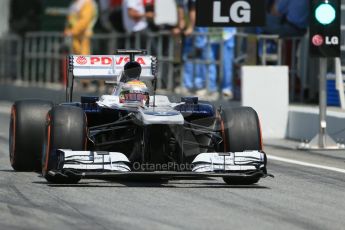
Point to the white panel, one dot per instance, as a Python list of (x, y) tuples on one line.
[(265, 88), (4, 16), (165, 12)]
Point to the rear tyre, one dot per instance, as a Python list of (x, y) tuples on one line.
[(241, 131), (66, 129), (26, 133)]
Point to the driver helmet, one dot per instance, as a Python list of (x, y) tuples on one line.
[(134, 92), (132, 71)]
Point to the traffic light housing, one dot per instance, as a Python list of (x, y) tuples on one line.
[(325, 28)]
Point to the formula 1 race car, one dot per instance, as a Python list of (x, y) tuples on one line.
[(133, 133)]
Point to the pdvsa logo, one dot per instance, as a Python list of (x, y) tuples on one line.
[(106, 60), (81, 60)]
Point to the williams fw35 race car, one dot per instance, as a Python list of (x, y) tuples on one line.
[(132, 132)]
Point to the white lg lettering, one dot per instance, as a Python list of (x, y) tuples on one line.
[(332, 40), (239, 12)]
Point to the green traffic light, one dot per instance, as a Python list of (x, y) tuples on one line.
[(325, 13)]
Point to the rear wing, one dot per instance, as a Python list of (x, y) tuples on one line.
[(106, 67)]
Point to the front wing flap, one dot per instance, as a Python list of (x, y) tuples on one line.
[(115, 165), (93, 160), (229, 161)]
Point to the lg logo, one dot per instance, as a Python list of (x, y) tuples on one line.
[(230, 13), (239, 12), (318, 40), (334, 40)]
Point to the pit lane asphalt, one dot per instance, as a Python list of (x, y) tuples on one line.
[(297, 198)]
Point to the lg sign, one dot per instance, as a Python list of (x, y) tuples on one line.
[(239, 12), (318, 40), (324, 28), (230, 13), (334, 40)]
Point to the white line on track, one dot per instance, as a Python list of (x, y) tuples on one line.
[(5, 110), (270, 157), (5, 107)]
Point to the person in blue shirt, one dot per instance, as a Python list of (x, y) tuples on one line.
[(220, 39), (288, 18), (193, 73), (204, 48)]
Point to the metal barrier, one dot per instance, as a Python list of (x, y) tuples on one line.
[(10, 58), (250, 53), (39, 57), (246, 52), (197, 58), (44, 53)]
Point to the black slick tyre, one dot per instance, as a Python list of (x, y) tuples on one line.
[(241, 131), (66, 129), (26, 133)]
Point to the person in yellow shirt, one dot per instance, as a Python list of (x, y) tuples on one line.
[(80, 21)]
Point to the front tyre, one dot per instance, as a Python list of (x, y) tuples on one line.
[(241, 131), (66, 129), (26, 133)]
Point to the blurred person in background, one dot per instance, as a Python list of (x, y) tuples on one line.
[(193, 73), (287, 18), (25, 16), (205, 48), (220, 38), (111, 15), (81, 18), (111, 21), (149, 10), (135, 21), (161, 43)]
